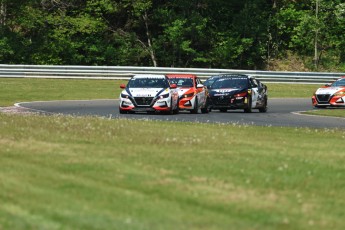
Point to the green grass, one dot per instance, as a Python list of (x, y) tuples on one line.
[(328, 112), (94, 173), (14, 90), (291, 90)]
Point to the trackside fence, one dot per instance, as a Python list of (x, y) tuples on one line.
[(125, 72)]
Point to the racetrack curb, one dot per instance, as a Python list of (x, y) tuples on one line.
[(17, 110), (300, 113)]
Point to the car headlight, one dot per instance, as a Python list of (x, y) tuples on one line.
[(189, 95), (163, 96), (340, 93), (124, 95), (243, 94)]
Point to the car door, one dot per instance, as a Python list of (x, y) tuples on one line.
[(200, 93), (261, 91), (255, 92)]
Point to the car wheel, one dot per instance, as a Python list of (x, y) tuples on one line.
[(249, 106), (171, 111), (205, 109), (122, 111), (177, 110), (264, 108), (195, 109)]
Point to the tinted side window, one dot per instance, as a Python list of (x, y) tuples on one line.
[(253, 83)]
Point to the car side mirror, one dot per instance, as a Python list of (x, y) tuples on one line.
[(328, 85), (200, 86), (122, 86), (173, 86)]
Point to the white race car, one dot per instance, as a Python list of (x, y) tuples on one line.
[(149, 93), (330, 95)]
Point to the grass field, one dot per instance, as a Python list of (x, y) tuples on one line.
[(14, 90), (328, 112), (91, 173), (61, 172)]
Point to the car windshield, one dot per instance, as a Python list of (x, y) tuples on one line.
[(224, 83), (338, 83), (182, 82), (148, 83), (210, 81)]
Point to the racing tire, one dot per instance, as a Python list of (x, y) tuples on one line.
[(195, 109), (177, 110), (122, 111), (205, 109), (249, 106), (264, 108), (171, 111)]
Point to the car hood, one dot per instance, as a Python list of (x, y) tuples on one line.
[(224, 92), (145, 92), (182, 91), (329, 90)]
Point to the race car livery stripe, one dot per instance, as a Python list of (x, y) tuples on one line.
[(160, 92), (129, 93)]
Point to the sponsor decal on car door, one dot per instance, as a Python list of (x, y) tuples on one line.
[(200, 94), (255, 94)]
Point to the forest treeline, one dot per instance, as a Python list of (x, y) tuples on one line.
[(245, 34)]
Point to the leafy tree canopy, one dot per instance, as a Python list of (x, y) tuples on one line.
[(248, 34)]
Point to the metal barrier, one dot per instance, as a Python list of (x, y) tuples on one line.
[(125, 72)]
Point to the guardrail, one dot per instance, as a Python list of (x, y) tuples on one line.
[(125, 72)]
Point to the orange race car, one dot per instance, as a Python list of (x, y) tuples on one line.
[(192, 93), (330, 95)]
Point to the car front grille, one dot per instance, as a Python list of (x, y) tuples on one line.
[(323, 98), (143, 100), (220, 101)]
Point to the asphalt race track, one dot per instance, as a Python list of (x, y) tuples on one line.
[(281, 112)]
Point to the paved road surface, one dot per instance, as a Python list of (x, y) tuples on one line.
[(280, 113)]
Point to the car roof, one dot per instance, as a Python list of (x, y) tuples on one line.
[(181, 75), (222, 76), (231, 75), (149, 76)]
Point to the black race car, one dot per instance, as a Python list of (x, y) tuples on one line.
[(237, 92)]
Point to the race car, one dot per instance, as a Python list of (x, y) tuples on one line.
[(149, 93), (332, 95), (236, 91), (192, 93)]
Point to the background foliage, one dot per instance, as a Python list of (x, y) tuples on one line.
[(194, 33)]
